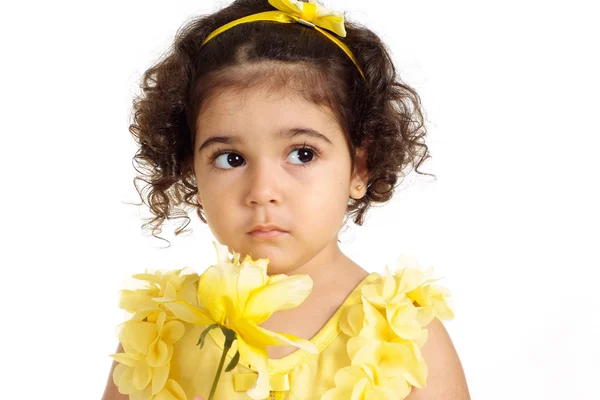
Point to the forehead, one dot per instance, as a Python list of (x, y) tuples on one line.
[(259, 116), (259, 105), (286, 91)]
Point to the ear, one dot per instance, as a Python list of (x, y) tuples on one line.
[(360, 175)]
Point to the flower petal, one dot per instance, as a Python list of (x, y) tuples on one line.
[(375, 325), (125, 380), (216, 284), (170, 291), (397, 359), (252, 276), (276, 278), (189, 292), (142, 315), (384, 393), (160, 321), (373, 294), (118, 372), (172, 331), (420, 295), (389, 285), (399, 386), (409, 279), (388, 356), (352, 320), (359, 391), (284, 294), (154, 278), (441, 303), (258, 336), (422, 339), (176, 389), (186, 312), (131, 351), (141, 395), (136, 300), (125, 359), (158, 353), (139, 335), (171, 391), (222, 252), (349, 376), (403, 320), (142, 374), (256, 357), (159, 379), (425, 315), (354, 344)]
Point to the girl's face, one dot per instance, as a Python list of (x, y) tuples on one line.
[(276, 160)]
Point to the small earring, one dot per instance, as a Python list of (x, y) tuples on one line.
[(358, 187)]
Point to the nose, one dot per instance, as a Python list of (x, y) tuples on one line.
[(264, 180)]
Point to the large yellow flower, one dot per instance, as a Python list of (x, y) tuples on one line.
[(240, 296)]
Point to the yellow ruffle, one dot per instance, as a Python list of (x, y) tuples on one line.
[(387, 333), (148, 337)]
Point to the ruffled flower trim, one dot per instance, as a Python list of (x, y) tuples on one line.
[(387, 331), (148, 336)]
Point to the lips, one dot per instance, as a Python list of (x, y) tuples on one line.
[(266, 228), (266, 231), (267, 234)]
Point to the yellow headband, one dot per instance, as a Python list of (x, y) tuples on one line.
[(307, 14)]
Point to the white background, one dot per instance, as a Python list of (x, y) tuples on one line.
[(511, 92)]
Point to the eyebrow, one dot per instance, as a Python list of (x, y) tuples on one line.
[(282, 134)]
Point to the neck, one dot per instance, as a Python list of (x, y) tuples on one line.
[(329, 268)]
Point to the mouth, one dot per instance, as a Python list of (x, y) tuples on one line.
[(267, 234)]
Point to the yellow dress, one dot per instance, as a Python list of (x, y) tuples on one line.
[(370, 346)]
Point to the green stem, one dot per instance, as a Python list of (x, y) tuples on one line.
[(226, 348)]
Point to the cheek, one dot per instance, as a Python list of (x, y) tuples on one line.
[(220, 209), (324, 205)]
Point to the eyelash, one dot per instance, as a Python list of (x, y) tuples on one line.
[(219, 152)]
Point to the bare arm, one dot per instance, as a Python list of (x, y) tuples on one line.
[(111, 392), (446, 379)]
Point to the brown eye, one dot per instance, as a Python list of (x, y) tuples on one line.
[(304, 155), (229, 160)]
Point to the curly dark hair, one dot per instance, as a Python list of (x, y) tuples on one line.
[(379, 112)]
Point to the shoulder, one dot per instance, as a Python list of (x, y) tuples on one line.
[(446, 378), (397, 341)]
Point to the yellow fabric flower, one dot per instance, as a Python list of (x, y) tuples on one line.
[(240, 296), (148, 349), (366, 381), (161, 284), (387, 332), (148, 338), (378, 344)]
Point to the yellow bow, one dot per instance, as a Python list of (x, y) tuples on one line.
[(313, 13), (294, 11), (244, 381)]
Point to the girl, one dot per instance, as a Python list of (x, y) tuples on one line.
[(277, 121)]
